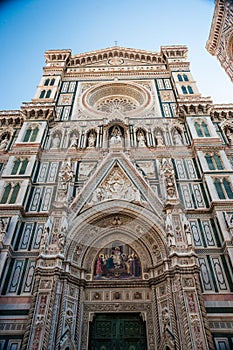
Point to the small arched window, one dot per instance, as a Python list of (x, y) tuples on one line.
[(34, 134), (179, 76), (42, 94), (205, 129), (52, 82), (214, 162), (198, 130), (23, 168), (228, 188), (190, 90), (48, 93), (6, 194), (219, 189), (15, 167), (223, 188), (14, 194), (184, 90), (218, 162), (210, 162), (27, 135), (46, 82), (185, 77)]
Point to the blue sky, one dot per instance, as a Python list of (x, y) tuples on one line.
[(29, 28)]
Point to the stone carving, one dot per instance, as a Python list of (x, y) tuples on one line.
[(4, 144), (74, 142), (44, 242), (169, 178), (229, 219), (116, 186), (91, 140), (165, 317), (229, 134), (188, 233), (3, 227), (177, 138), (65, 176), (116, 137), (147, 167), (141, 139), (85, 170), (56, 141)]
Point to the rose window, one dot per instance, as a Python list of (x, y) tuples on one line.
[(110, 97), (116, 104)]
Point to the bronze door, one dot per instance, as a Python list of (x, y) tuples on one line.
[(117, 332)]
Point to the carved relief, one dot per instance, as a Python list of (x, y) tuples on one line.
[(116, 186)]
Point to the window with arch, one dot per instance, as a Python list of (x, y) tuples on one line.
[(223, 188), (45, 94), (198, 130), (117, 261), (214, 162), (46, 83), (10, 193), (48, 94), (42, 94), (205, 129), (52, 82), (19, 167), (179, 76), (185, 77), (184, 90), (31, 134), (190, 89), (202, 129)]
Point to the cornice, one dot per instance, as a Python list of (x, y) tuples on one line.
[(14, 118), (216, 26)]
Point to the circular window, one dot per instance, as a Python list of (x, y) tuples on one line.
[(111, 97)]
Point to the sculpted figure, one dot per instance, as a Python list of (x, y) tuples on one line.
[(177, 138), (56, 141), (141, 139), (116, 136), (4, 144), (74, 142), (91, 140)]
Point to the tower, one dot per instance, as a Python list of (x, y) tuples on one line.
[(116, 199)]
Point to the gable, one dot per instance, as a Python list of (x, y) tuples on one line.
[(116, 178)]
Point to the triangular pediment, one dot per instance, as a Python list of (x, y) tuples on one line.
[(116, 178), (116, 56)]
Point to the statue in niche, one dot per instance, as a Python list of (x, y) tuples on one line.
[(55, 141), (44, 242), (91, 139), (74, 142), (229, 135), (119, 262), (169, 176), (116, 136), (159, 140), (169, 230), (141, 139), (177, 138), (4, 144), (188, 233)]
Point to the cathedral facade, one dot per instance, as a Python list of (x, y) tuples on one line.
[(220, 41), (116, 200)]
